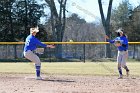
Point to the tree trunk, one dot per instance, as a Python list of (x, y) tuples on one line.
[(108, 46), (11, 27), (106, 24), (58, 26), (26, 23)]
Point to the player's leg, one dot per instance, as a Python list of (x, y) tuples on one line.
[(120, 70), (38, 67), (119, 59), (34, 58), (124, 63), (127, 70)]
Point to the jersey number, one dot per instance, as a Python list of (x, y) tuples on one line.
[(27, 42)]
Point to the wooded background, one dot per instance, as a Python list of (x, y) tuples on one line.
[(17, 16)]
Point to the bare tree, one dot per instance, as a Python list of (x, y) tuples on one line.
[(106, 23), (58, 22)]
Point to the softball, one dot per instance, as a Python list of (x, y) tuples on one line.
[(70, 40)]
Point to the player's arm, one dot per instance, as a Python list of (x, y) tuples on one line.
[(51, 46), (44, 45), (108, 40), (40, 43)]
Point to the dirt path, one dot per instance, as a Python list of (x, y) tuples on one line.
[(25, 83)]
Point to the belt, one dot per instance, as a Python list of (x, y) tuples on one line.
[(28, 50), (122, 50)]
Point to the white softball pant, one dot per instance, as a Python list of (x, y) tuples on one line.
[(32, 57), (121, 58)]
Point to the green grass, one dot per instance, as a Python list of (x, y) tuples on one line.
[(73, 68)]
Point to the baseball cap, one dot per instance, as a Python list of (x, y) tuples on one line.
[(119, 30), (34, 29)]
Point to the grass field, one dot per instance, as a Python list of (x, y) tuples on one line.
[(73, 68), (68, 77)]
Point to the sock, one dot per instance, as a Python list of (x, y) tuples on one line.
[(126, 68), (120, 71), (37, 70)]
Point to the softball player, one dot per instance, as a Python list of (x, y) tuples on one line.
[(122, 51), (30, 45)]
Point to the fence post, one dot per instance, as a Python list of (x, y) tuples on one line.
[(84, 53), (15, 51)]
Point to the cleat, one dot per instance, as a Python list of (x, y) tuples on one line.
[(127, 73), (39, 78), (121, 77)]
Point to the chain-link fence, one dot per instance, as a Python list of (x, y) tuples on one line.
[(70, 52)]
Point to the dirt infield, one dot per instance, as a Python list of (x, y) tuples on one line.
[(25, 83)]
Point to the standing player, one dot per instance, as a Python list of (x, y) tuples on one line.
[(121, 42), (31, 44)]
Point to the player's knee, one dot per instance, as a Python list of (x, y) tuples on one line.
[(119, 65), (38, 62), (123, 65)]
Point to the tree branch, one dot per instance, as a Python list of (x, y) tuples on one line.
[(109, 11), (101, 12)]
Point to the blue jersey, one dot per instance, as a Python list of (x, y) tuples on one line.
[(31, 43), (124, 42)]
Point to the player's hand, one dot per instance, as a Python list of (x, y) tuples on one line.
[(106, 37), (51, 46)]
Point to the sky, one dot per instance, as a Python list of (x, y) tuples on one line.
[(89, 9)]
